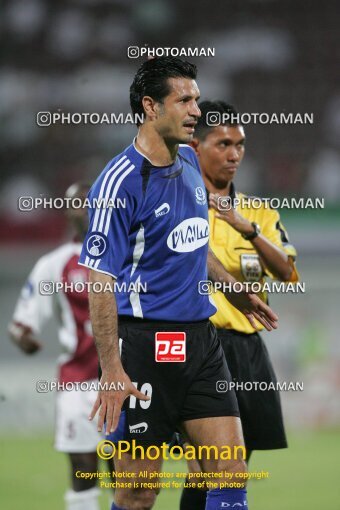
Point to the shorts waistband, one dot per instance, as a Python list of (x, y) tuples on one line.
[(127, 320), (234, 332)]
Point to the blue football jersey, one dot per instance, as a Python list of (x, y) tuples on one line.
[(154, 242)]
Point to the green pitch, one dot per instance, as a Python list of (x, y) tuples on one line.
[(304, 477)]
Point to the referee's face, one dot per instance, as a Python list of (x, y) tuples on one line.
[(221, 153), (178, 114)]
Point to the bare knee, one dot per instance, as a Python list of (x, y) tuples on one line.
[(233, 466), (234, 471), (229, 471), (143, 497), (136, 499)]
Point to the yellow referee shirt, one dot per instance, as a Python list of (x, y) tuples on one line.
[(240, 258)]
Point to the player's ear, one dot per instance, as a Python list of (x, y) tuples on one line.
[(195, 145), (151, 107)]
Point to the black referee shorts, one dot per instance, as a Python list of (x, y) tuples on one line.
[(260, 410), (181, 377)]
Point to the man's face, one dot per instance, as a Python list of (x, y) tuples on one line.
[(177, 115), (220, 153)]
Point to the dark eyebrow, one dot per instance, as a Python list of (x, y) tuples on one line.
[(228, 140), (188, 97)]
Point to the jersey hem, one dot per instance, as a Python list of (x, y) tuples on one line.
[(99, 270)]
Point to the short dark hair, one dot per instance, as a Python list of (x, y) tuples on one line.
[(151, 80), (76, 188), (203, 128)]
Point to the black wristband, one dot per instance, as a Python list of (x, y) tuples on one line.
[(255, 233)]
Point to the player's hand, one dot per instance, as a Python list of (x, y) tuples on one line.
[(254, 308), (110, 401), (23, 337)]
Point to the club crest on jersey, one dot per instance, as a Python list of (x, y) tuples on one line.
[(96, 245), (189, 235), (251, 267), (200, 194)]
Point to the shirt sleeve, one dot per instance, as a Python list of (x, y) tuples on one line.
[(112, 202), (35, 304), (274, 231), (190, 154)]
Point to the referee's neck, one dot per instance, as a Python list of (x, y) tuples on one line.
[(214, 187)]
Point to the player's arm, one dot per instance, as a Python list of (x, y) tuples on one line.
[(272, 257), (249, 304), (105, 247), (23, 337), (32, 309), (103, 313)]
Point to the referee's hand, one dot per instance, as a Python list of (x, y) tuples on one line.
[(111, 398), (253, 308)]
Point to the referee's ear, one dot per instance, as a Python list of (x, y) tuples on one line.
[(194, 144)]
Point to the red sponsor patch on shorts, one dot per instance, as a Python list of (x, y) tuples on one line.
[(170, 346)]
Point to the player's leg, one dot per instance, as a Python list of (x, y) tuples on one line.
[(139, 496), (78, 437), (193, 498), (210, 418), (83, 463), (221, 432), (260, 410), (147, 421), (84, 493)]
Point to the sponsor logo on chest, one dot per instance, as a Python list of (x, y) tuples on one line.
[(162, 210), (189, 235)]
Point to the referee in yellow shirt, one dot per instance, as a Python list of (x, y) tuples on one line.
[(251, 243)]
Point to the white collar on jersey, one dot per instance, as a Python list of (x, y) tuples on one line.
[(139, 152)]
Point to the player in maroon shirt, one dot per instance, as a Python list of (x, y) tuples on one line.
[(38, 302)]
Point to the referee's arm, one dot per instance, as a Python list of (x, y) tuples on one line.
[(249, 304), (272, 257)]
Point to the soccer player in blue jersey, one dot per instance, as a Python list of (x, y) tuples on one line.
[(159, 341)]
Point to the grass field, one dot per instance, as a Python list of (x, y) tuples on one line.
[(304, 477)]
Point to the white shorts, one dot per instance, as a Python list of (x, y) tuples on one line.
[(74, 433)]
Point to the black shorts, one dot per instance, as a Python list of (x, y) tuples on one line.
[(179, 391), (261, 414)]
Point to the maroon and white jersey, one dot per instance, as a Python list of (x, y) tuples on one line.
[(42, 297)]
